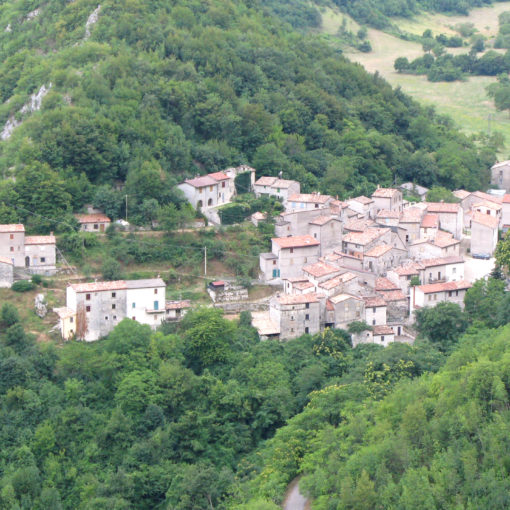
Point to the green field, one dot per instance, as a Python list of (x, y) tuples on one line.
[(466, 102)]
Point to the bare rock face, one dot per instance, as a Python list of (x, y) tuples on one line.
[(91, 21), (41, 308)]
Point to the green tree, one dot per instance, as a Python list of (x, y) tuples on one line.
[(9, 315), (111, 269)]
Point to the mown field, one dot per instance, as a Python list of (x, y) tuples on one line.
[(466, 102)]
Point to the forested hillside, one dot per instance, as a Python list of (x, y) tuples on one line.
[(145, 93)]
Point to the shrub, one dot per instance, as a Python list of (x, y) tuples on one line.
[(9, 314), (37, 279), (23, 286)]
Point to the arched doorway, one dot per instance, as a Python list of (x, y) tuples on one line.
[(209, 202), (199, 204), (27, 261)]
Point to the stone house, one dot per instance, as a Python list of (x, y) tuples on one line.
[(12, 243), (484, 234), (296, 315), (307, 201), (328, 231), (429, 226), (6, 272), (344, 309), (416, 189), (176, 310), (258, 217), (444, 245), (434, 293), (387, 218), (66, 322), (208, 190), (358, 225), (451, 217), (358, 243), (297, 223), (375, 310), (97, 222), (410, 220), (273, 186), (382, 257), (389, 199), (500, 175), (401, 276), (363, 206), (288, 256), (40, 254), (102, 305), (383, 335), (320, 272), (443, 269), (344, 283), (224, 292)]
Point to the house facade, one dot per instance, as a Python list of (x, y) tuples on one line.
[(484, 234), (12, 243), (388, 199), (93, 222), (40, 254), (500, 175), (307, 201), (434, 293), (279, 188), (6, 272), (451, 217)]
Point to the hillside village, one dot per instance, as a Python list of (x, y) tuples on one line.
[(364, 264)]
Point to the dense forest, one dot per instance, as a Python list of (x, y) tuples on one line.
[(156, 91)]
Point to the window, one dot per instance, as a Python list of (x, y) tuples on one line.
[(155, 291), (134, 318), (373, 309), (306, 330), (382, 338), (315, 235), (200, 190), (96, 226), (71, 319), (316, 206), (430, 297), (156, 305), (373, 322), (87, 297), (407, 238), (114, 306), (210, 188), (307, 317), (12, 248), (133, 305), (307, 305), (114, 317), (292, 317), (155, 317), (223, 184), (11, 236), (43, 259), (488, 212), (454, 270), (450, 293), (435, 297), (456, 292), (114, 294), (274, 262), (292, 250), (106, 317), (87, 308)]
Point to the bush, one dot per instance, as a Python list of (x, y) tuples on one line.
[(9, 314), (111, 270), (37, 279), (23, 286)]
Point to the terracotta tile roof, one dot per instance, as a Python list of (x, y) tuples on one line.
[(444, 239), (177, 305), (264, 324), (366, 237), (411, 215), (385, 284), (430, 221), (461, 193), (393, 295), (442, 207), (259, 215), (329, 305), (506, 198), (265, 181), (337, 280), (92, 218), (384, 192), (311, 198), (384, 213), (441, 261), (320, 269), (200, 182), (378, 251), (374, 301), (297, 299), (13, 227), (64, 312), (339, 298), (40, 240), (488, 197), (408, 269), (283, 183), (382, 330), (219, 176), (489, 205), (295, 241), (303, 285), (99, 286), (322, 220), (358, 225), (485, 219), (444, 287), (362, 199), (5, 260)]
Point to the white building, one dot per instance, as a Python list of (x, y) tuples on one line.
[(307, 201), (96, 222), (484, 234), (375, 311), (208, 190), (389, 199), (451, 217), (500, 175), (279, 188), (434, 293)]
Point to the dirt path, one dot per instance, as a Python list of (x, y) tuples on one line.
[(294, 500)]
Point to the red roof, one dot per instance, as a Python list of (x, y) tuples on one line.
[(363, 238), (219, 176), (218, 283), (362, 199), (430, 221), (385, 284), (200, 182), (374, 301), (384, 192), (13, 227), (431, 288), (295, 241), (485, 219), (265, 181), (177, 305), (99, 286), (378, 251), (322, 220), (393, 295), (382, 330), (506, 199), (441, 261), (320, 269), (297, 299), (311, 198), (40, 240), (443, 207), (384, 213), (92, 218)]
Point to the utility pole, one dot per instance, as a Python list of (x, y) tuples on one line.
[(205, 260), (126, 208)]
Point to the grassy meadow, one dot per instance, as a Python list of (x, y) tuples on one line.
[(466, 102)]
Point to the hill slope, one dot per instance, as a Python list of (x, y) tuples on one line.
[(148, 92)]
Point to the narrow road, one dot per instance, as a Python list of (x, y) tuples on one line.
[(294, 500)]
